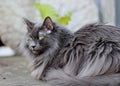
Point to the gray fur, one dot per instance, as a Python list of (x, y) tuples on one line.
[(89, 57)]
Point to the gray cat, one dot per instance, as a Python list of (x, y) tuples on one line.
[(88, 57)]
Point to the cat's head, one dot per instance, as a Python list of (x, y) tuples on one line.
[(40, 37)]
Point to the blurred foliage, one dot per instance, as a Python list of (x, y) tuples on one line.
[(65, 19), (48, 10)]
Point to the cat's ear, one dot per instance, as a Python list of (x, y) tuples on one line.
[(48, 24), (29, 24)]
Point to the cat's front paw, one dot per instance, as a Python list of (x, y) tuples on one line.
[(37, 75)]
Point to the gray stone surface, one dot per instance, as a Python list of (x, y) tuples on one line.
[(14, 72)]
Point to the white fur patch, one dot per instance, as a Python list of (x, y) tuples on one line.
[(38, 71)]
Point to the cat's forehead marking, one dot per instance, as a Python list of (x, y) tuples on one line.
[(39, 30), (44, 32), (49, 31)]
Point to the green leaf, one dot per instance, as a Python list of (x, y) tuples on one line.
[(46, 10), (65, 19)]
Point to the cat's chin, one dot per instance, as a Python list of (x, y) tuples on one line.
[(36, 52)]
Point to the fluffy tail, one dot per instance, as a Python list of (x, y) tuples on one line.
[(59, 78)]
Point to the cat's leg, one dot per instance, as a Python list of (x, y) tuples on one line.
[(57, 77)]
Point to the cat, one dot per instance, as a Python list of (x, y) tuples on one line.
[(87, 57)]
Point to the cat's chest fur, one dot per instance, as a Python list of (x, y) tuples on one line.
[(49, 60)]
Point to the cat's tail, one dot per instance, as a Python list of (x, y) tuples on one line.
[(59, 78)]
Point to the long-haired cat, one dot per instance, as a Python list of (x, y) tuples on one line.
[(88, 57)]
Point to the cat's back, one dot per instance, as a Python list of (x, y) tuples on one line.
[(96, 48), (94, 32)]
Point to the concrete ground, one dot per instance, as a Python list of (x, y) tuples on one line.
[(15, 72)]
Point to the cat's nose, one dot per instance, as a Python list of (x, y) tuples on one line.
[(33, 46)]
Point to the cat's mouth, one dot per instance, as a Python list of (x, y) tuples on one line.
[(36, 52)]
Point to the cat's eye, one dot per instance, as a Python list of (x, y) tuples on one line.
[(29, 39), (41, 37)]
